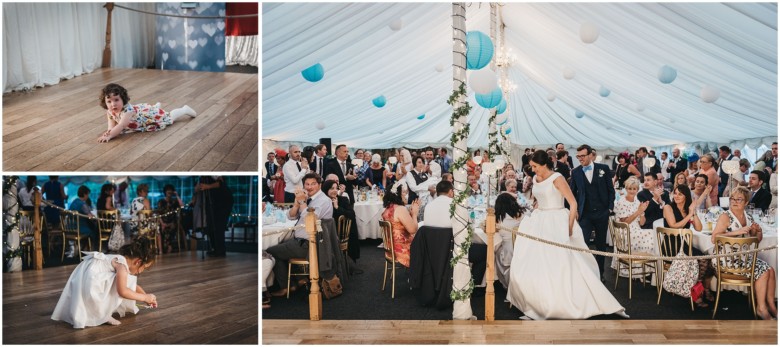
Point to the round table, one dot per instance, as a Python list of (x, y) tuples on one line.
[(367, 215), (276, 233)]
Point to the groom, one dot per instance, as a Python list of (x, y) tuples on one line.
[(591, 184)]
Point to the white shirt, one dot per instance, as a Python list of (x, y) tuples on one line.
[(437, 212), (318, 163), (420, 189), (589, 173), (25, 197), (292, 177), (323, 208), (664, 165)]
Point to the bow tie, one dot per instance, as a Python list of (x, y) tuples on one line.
[(587, 168)]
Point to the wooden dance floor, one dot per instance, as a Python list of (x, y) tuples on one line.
[(211, 301), (55, 128), (519, 332)]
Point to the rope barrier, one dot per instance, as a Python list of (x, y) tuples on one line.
[(183, 16), (633, 256), (50, 204)]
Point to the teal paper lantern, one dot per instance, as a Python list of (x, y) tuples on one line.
[(667, 74), (421, 117), (313, 73), (508, 130), (491, 99), (479, 50), (579, 114), (501, 108), (502, 123), (379, 101), (604, 92)]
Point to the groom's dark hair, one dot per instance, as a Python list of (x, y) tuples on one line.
[(590, 150)]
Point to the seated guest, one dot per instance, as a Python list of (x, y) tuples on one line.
[(447, 177), (701, 192), (268, 277), (105, 201), (403, 222), (375, 176), (298, 246), (680, 178), (508, 215), (680, 214), (343, 207), (82, 206), (737, 223), (437, 213), (511, 189), (760, 197), (140, 202), (509, 175), (632, 212), (26, 193), (476, 188), (657, 197), (167, 207)]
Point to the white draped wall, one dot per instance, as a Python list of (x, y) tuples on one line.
[(46, 42), (730, 46)]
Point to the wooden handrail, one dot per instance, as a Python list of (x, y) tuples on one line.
[(490, 274), (109, 6), (315, 297), (37, 249)]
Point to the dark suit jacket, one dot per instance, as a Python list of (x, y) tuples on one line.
[(268, 169), (654, 210), (603, 186), (762, 199), (313, 165), (333, 167), (563, 170), (682, 165), (430, 273), (769, 164)]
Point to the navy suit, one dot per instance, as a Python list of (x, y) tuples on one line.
[(595, 200), (761, 199)]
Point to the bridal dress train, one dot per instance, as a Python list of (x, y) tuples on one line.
[(549, 282)]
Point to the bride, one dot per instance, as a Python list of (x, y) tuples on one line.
[(546, 281)]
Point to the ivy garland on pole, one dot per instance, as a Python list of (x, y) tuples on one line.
[(461, 134), (10, 253)]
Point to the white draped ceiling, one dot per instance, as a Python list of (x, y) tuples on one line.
[(732, 47)]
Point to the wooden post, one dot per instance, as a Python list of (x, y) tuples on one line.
[(490, 275), (315, 297), (37, 249), (107, 50)]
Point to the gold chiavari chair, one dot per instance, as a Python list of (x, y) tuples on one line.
[(670, 241), (106, 221), (736, 269), (70, 231), (621, 238)]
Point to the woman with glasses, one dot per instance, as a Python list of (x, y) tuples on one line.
[(737, 223)]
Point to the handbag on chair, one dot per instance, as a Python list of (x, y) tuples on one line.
[(117, 238), (682, 276)]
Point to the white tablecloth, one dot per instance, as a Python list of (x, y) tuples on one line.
[(367, 215), (273, 235)]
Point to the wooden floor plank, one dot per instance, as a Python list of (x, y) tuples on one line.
[(201, 301), (56, 128)]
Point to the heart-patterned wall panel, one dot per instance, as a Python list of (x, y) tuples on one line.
[(189, 43)]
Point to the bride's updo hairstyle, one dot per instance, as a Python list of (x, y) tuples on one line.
[(140, 248), (540, 157)]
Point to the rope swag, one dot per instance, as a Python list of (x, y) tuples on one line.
[(462, 133), (75, 213)]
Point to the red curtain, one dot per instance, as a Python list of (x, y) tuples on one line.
[(241, 26)]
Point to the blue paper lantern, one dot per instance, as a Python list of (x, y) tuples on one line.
[(504, 122), (479, 50), (491, 99), (667, 74), (603, 91), (313, 73), (579, 114), (420, 117), (379, 101), (508, 130), (501, 108)]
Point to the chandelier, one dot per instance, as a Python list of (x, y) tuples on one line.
[(507, 85), (505, 58)]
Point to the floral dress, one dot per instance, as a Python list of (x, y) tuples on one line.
[(402, 239), (642, 240), (761, 266), (147, 118)]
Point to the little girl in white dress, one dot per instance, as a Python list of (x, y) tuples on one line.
[(106, 283), (124, 117)]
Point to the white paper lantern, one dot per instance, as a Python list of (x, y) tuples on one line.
[(439, 67), (483, 81), (357, 162), (599, 158), (396, 24), (709, 94), (320, 125), (499, 161), (551, 97), (589, 32), (647, 162), (477, 159), (392, 160), (730, 167), (568, 73), (640, 108), (501, 118)]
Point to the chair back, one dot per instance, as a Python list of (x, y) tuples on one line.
[(670, 242), (26, 227), (345, 224), (735, 264), (107, 220), (147, 222), (387, 240), (69, 223), (621, 237)]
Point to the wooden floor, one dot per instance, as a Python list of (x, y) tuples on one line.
[(519, 332), (55, 128), (211, 301)]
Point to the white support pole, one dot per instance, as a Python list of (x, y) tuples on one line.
[(492, 132), (462, 272)]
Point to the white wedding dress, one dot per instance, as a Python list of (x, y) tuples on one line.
[(90, 296), (549, 282)]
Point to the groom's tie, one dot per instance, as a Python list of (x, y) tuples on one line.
[(587, 168)]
